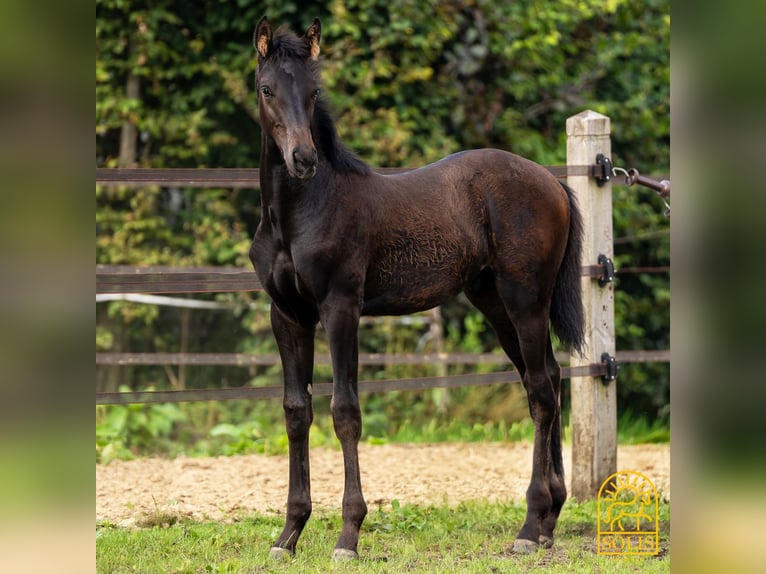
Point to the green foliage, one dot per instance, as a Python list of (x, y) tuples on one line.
[(477, 74), (410, 82), (122, 431), (458, 431), (252, 436), (642, 300), (226, 429)]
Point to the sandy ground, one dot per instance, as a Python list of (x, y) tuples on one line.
[(225, 488)]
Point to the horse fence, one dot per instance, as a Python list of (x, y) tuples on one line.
[(593, 388)]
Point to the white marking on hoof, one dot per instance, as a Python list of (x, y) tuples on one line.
[(277, 553), (341, 554), (545, 541), (523, 546)]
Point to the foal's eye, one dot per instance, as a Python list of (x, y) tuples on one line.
[(266, 91), (315, 95)]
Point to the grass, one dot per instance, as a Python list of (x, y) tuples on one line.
[(471, 537), (634, 429), (458, 431)]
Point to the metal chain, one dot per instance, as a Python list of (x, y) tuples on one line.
[(632, 176)]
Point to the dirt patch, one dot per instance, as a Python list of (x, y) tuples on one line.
[(224, 488)]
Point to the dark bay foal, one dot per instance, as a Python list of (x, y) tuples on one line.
[(337, 240)]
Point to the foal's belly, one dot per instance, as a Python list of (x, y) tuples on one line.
[(410, 275), (403, 300)]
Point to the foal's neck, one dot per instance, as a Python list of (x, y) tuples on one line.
[(281, 193)]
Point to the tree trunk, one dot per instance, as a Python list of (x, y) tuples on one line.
[(129, 134)]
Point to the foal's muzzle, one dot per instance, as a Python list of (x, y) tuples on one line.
[(302, 162)]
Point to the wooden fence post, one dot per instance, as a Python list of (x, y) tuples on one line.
[(594, 403)]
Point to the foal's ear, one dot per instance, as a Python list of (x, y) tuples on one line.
[(262, 38), (312, 36)]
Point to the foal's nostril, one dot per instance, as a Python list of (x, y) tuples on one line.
[(305, 158)]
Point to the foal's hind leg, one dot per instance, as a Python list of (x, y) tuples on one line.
[(556, 480), (485, 298), (296, 347), (547, 483), (532, 329)]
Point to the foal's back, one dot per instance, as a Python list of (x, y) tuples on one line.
[(433, 230)]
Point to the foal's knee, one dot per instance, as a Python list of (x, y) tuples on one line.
[(298, 418), (346, 416)]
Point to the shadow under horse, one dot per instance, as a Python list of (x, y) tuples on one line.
[(337, 240)]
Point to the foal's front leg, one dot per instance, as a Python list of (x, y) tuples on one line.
[(296, 348), (340, 317)]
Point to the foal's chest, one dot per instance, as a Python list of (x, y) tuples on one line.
[(299, 273), (283, 273)]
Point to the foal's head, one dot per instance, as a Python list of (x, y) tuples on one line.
[(288, 86)]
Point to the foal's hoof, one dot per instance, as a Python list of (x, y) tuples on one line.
[(277, 553), (545, 541), (523, 546), (344, 554)]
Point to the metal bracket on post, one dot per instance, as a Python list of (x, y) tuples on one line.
[(604, 174), (608, 276), (611, 368)]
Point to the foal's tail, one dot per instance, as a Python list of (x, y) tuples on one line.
[(567, 313)]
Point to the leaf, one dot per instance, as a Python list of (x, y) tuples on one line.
[(225, 429)]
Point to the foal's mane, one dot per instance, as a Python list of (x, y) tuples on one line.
[(340, 157), (285, 45)]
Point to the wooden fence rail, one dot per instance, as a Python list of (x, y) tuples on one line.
[(235, 178), (365, 359), (127, 279), (115, 279), (325, 389)]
